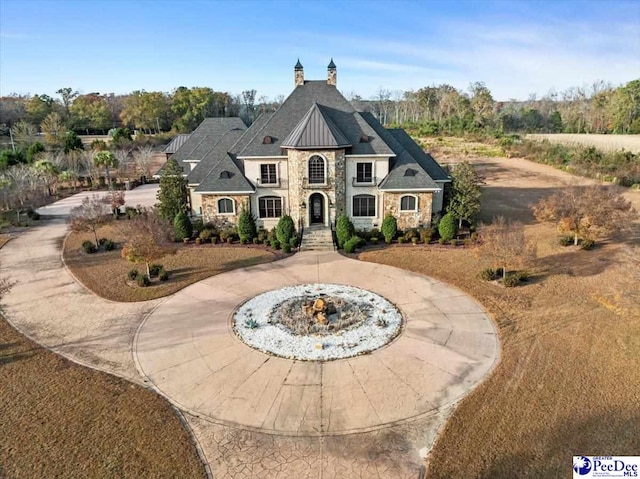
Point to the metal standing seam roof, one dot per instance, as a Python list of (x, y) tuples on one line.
[(334, 106), (315, 130), (176, 142)]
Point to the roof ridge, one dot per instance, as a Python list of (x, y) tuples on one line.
[(307, 134)]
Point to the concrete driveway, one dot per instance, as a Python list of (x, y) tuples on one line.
[(144, 195), (253, 415)]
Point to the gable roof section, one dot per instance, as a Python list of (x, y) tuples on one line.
[(407, 172), (333, 106), (218, 151), (176, 142), (315, 130), (203, 138), (425, 160), (225, 177)]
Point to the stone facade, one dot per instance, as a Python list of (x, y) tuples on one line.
[(300, 191), (421, 218), (210, 212)]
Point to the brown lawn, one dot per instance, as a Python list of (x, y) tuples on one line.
[(58, 419), (105, 273), (569, 378)]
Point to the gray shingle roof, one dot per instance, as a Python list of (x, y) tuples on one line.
[(315, 130), (334, 106), (430, 165), (203, 138), (176, 143), (407, 172), (218, 151), (225, 177)]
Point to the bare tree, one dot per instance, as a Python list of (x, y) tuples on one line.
[(504, 243), (143, 159), (115, 199), (90, 216), (148, 238), (586, 212)]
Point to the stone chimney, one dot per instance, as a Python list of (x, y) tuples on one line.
[(332, 74), (299, 73)]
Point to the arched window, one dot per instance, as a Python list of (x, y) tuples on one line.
[(364, 205), (270, 207), (226, 206), (316, 170), (408, 203)]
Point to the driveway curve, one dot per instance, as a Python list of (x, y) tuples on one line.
[(188, 351)]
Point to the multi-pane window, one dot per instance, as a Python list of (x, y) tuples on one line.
[(364, 172), (270, 207), (316, 170), (225, 206), (408, 203), (268, 174), (364, 205)]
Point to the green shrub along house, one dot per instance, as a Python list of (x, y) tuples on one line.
[(314, 159)]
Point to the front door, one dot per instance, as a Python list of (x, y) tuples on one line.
[(317, 208)]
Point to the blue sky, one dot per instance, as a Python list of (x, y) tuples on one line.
[(516, 48)]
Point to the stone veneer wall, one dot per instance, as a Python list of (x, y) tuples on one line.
[(210, 209), (409, 219), (298, 170)]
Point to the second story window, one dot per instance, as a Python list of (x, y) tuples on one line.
[(316, 170), (268, 174), (364, 172)]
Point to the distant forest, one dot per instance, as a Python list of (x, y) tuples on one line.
[(432, 110)]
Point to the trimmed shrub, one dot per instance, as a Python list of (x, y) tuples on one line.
[(274, 244), (205, 235), (286, 248), (198, 240), (410, 234), (163, 276), (344, 230), (226, 234), (425, 235), (214, 240), (511, 280), (256, 241), (143, 280), (262, 234), (448, 227), (351, 244), (133, 275), (182, 227), (401, 240), (373, 240), (374, 233), (102, 241), (247, 226), (441, 241), (89, 247), (488, 274), (155, 269), (109, 245), (130, 212), (587, 244), (293, 242), (453, 242), (197, 225), (285, 230), (566, 240), (389, 228)]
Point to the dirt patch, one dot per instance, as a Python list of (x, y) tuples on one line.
[(105, 273), (59, 419)]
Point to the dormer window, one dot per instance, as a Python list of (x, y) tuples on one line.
[(410, 172), (225, 175), (365, 139), (267, 140)]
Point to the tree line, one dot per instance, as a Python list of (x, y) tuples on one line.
[(441, 109)]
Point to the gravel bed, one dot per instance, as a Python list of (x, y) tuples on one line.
[(251, 322)]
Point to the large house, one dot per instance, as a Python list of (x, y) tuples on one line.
[(314, 158)]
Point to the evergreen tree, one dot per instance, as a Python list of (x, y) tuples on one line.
[(344, 230), (389, 228), (465, 200), (182, 226), (246, 226), (172, 195), (447, 227), (285, 230)]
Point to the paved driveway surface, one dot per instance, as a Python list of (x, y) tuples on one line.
[(253, 415)]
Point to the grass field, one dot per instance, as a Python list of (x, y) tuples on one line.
[(569, 376), (58, 419), (602, 142), (105, 273)]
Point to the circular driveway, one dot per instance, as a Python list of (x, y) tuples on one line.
[(187, 350)]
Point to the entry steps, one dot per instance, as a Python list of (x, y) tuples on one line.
[(317, 239)]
